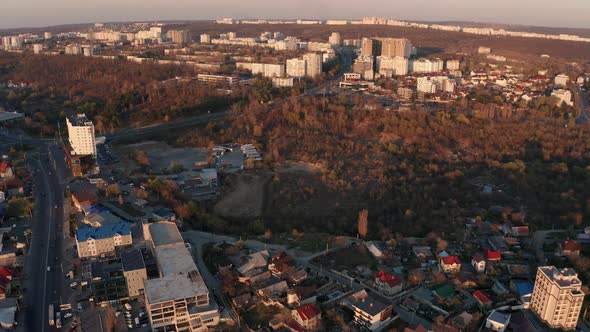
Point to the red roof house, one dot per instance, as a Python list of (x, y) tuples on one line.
[(308, 316), (388, 284), (481, 298), (492, 255), (450, 264)]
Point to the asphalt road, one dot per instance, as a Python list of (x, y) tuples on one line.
[(43, 286), (166, 126), (581, 98)]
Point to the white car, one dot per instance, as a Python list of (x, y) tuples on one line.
[(74, 284), (68, 315), (48, 268)]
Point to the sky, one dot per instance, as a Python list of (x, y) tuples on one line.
[(38, 13)]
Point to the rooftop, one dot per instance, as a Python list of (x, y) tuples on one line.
[(175, 286), (566, 277), (164, 233), (308, 311), (79, 120), (132, 260), (175, 259), (366, 303), (103, 232)]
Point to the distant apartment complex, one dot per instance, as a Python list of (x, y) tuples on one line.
[(557, 297), (81, 135), (179, 36), (313, 64), (134, 272)]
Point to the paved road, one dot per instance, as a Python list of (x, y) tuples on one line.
[(581, 98), (46, 247), (166, 126)]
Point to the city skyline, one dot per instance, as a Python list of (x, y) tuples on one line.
[(570, 14)]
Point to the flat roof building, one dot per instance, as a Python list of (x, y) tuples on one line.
[(81, 135), (557, 297)]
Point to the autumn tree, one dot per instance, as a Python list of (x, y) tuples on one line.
[(363, 223)]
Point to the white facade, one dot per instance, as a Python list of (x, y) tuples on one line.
[(453, 64), (205, 39), (47, 35), (37, 48), (335, 39), (557, 297), (397, 65), (427, 65), (81, 135), (313, 64), (282, 82), (425, 85), (561, 80), (296, 67), (563, 96)]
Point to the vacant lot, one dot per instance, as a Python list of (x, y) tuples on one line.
[(161, 155), (347, 258), (243, 196)]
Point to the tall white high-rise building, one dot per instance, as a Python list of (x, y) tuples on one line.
[(313, 64), (37, 48), (295, 67), (81, 135), (47, 35), (557, 297), (335, 39), (205, 39)]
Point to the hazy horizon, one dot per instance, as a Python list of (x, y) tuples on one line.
[(18, 14)]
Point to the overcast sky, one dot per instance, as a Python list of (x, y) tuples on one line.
[(25, 13)]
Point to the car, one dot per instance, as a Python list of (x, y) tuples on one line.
[(48, 268), (80, 307), (68, 315), (56, 206), (130, 326), (74, 284)]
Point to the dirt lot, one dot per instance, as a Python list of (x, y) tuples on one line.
[(161, 155), (243, 195)]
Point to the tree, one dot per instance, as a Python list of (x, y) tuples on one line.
[(19, 207), (113, 189), (363, 223)]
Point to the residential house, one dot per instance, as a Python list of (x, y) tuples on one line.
[(450, 264), (388, 284), (96, 241), (252, 261), (369, 313), (482, 299), (300, 295), (479, 263), (308, 316), (83, 197), (13, 186), (6, 170), (281, 264), (274, 290), (492, 255), (570, 248), (497, 321), (374, 249)]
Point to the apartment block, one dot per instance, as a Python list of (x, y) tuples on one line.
[(395, 47), (335, 39), (179, 299), (179, 36), (394, 65), (557, 297), (96, 241), (313, 64), (81, 135), (134, 272), (453, 64), (296, 67)]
